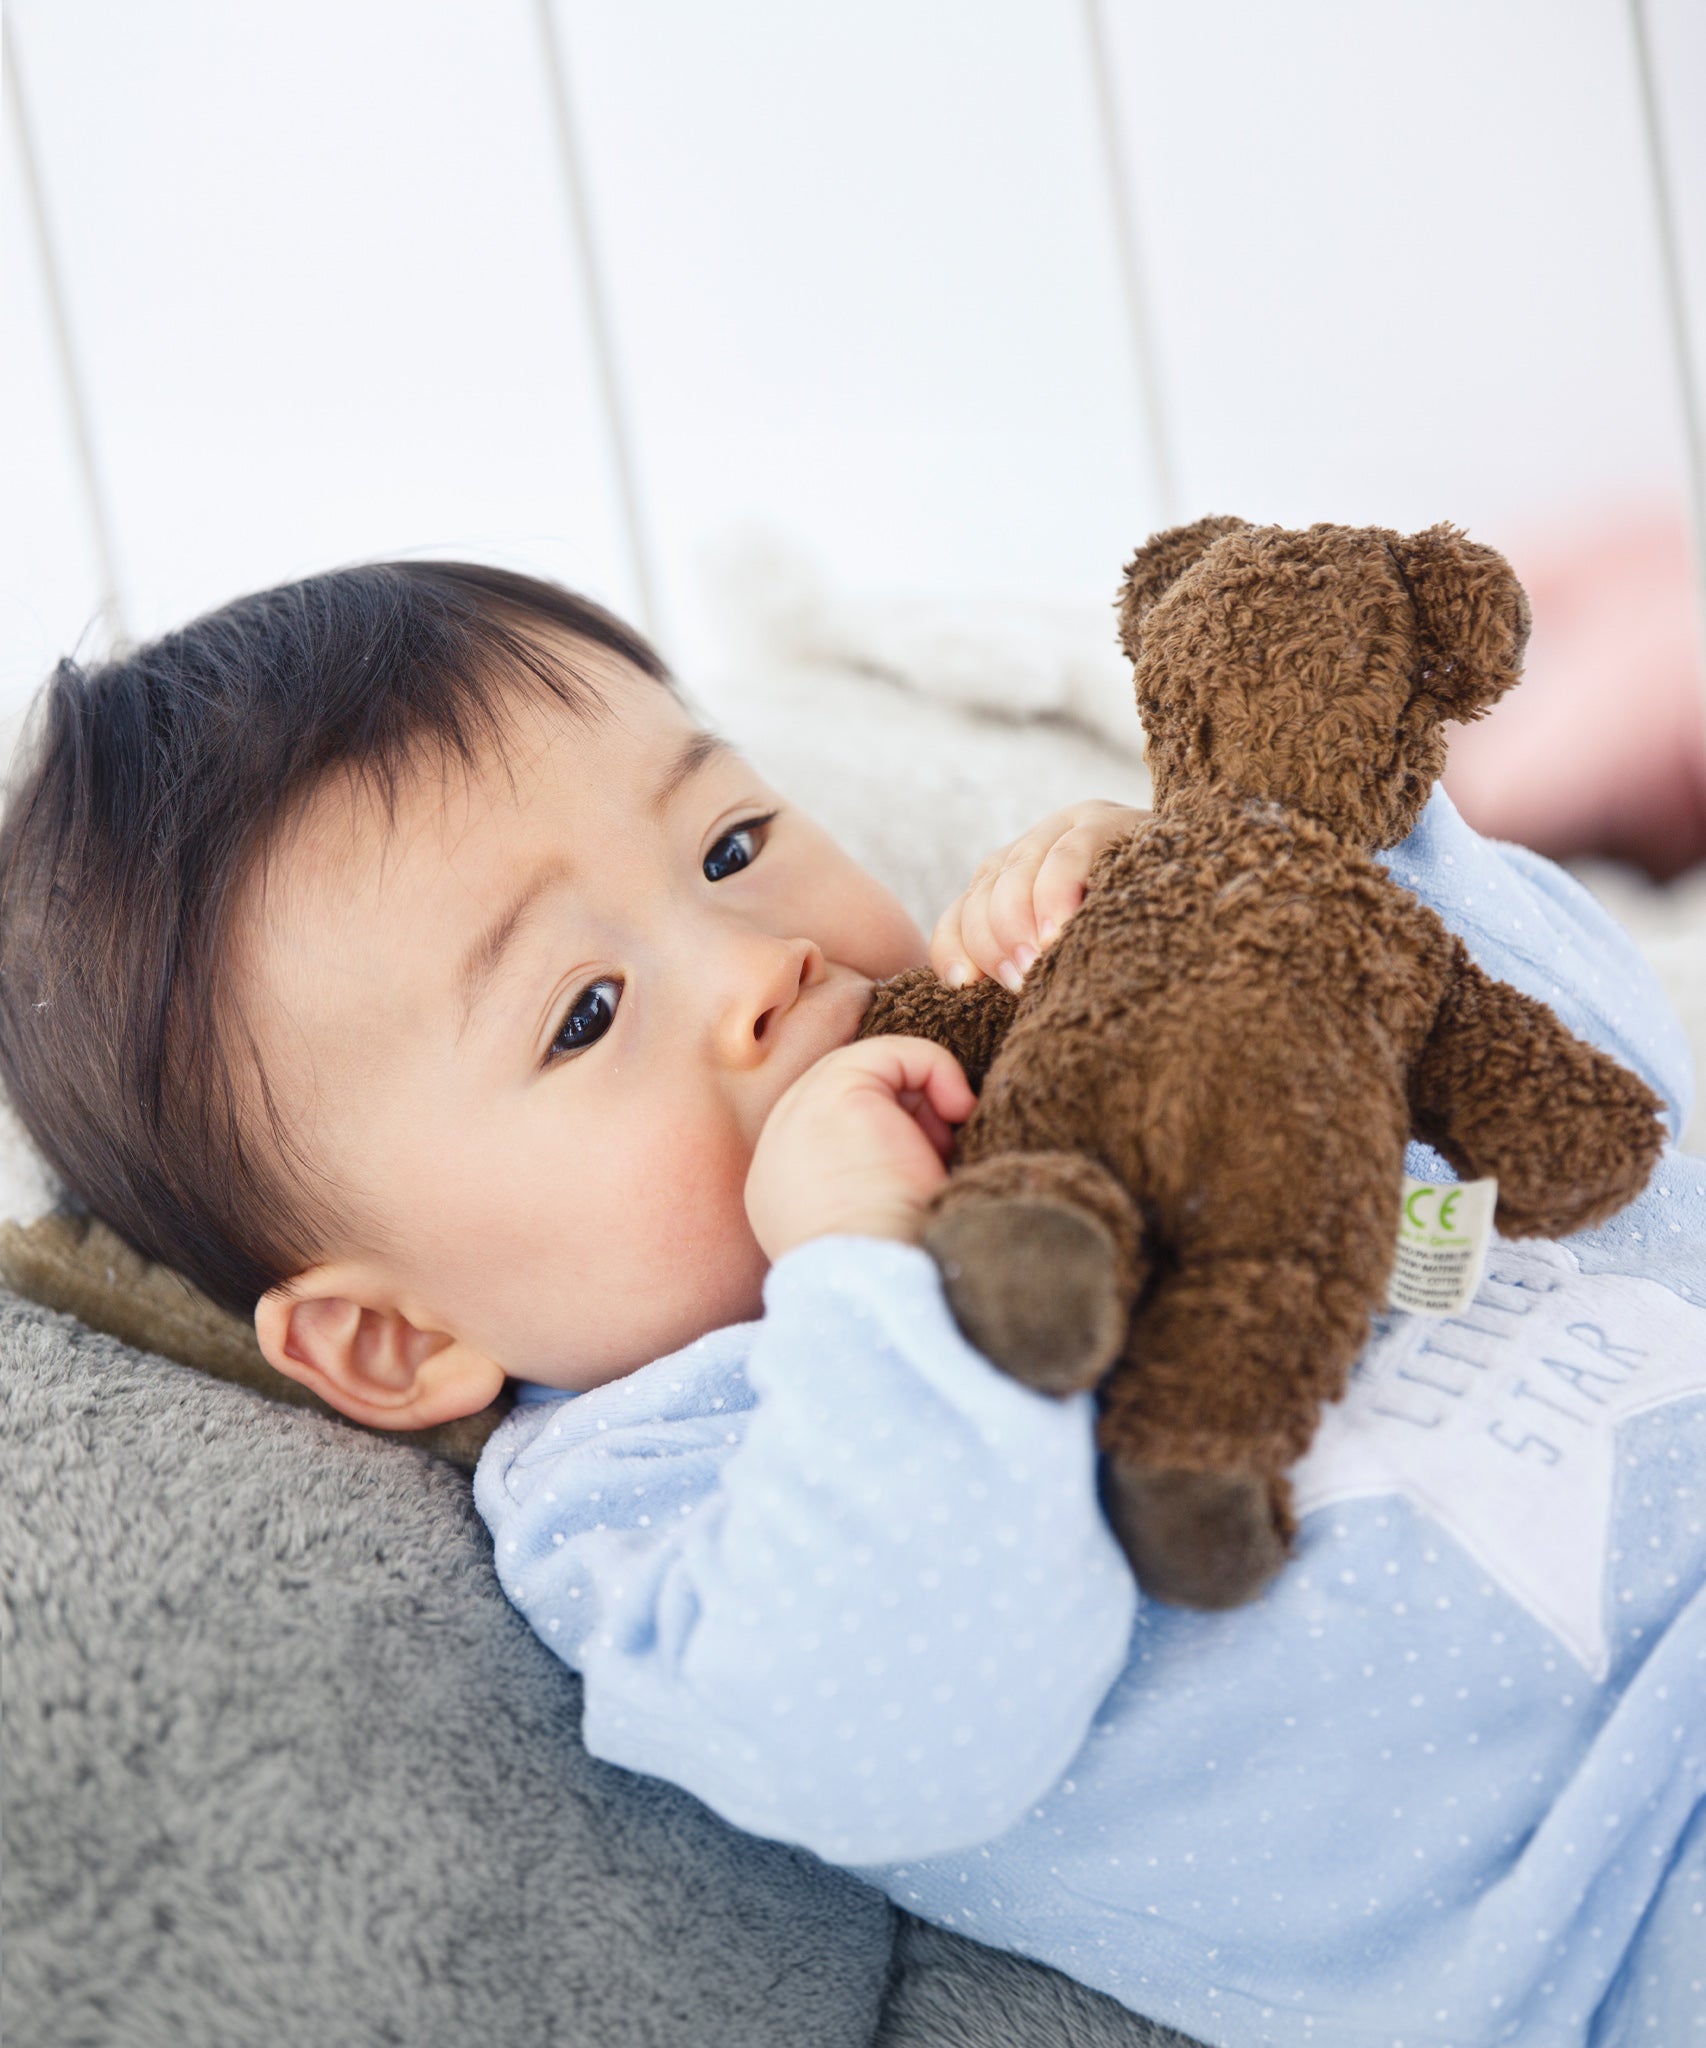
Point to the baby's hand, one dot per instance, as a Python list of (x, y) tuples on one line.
[(1022, 895), (857, 1145)]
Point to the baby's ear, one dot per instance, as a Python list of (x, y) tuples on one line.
[(1472, 616), (1159, 564), (371, 1363)]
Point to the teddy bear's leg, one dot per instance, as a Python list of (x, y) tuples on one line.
[(1199, 1539), (1042, 1258), (1218, 1394)]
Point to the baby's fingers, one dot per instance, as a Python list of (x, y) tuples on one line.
[(984, 948), (920, 1075), (948, 957), (1019, 900), (929, 1120), (991, 928), (1010, 913), (1058, 887)]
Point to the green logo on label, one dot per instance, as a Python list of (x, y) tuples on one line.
[(1450, 1202)]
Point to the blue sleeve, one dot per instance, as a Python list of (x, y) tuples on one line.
[(1529, 923), (860, 1597)]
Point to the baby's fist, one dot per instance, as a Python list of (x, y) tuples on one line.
[(857, 1145)]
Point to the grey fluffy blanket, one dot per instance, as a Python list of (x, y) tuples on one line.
[(283, 1766)]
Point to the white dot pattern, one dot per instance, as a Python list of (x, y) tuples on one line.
[(828, 1613)]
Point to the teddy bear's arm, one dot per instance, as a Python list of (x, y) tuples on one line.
[(1502, 1088), (971, 1022)]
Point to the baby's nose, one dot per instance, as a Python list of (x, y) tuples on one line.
[(767, 990)]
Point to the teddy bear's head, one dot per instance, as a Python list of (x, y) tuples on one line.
[(1316, 668)]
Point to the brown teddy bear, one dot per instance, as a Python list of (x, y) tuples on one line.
[(1182, 1179)]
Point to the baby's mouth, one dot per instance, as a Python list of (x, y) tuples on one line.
[(827, 1017), (858, 1001)]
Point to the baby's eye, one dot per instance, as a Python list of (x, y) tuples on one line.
[(737, 849), (590, 1016)]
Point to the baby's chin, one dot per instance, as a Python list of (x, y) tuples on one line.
[(698, 1289)]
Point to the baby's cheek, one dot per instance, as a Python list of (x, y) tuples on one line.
[(687, 1211), (891, 942), (859, 922), (633, 1259)]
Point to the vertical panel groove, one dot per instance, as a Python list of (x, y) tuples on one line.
[(73, 389), (598, 312), (1117, 168), (1676, 305)]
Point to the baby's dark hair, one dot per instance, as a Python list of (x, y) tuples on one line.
[(145, 790)]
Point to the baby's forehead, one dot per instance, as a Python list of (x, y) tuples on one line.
[(618, 716), (362, 841)]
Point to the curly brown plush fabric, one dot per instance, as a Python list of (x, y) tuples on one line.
[(1182, 1178)]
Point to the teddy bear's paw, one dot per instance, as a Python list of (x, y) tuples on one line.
[(1196, 1539), (1034, 1285)]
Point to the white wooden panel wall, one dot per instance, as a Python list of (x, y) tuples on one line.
[(322, 283), (1403, 257), (861, 264), (50, 581), (861, 275), (1673, 36), (1679, 51)]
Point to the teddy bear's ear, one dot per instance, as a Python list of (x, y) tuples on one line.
[(1473, 618), (1159, 564)]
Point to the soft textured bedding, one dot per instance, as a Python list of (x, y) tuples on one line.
[(282, 1765)]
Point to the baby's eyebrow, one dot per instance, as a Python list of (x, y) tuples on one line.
[(701, 747), (482, 960)]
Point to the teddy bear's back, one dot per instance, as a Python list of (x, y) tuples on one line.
[(1230, 1010)]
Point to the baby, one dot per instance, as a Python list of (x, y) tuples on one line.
[(394, 954)]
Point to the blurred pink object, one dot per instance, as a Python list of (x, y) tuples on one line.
[(1602, 750)]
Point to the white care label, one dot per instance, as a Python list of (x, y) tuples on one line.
[(1444, 1229)]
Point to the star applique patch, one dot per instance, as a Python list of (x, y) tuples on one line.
[(1500, 1423)]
